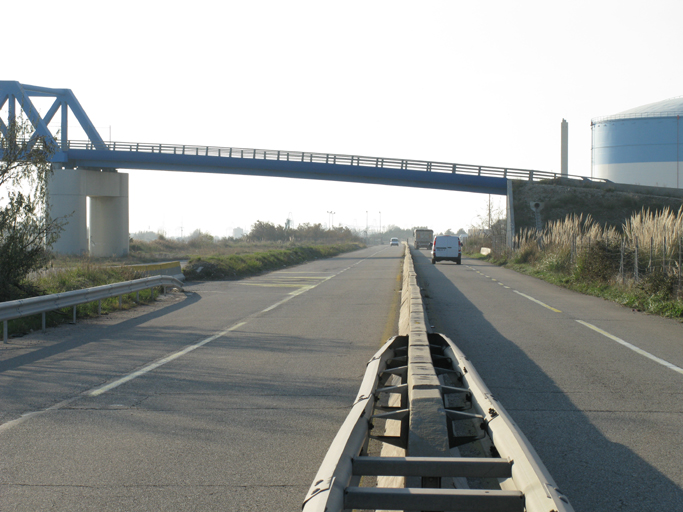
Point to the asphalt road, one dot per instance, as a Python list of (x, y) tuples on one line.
[(605, 417), (226, 398)]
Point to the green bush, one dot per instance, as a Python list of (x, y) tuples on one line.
[(559, 261), (234, 266), (659, 283), (599, 263), (529, 253)]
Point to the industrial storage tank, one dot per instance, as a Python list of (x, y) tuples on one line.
[(640, 146)]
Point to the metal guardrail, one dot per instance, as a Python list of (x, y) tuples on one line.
[(36, 305), (505, 475), (323, 158)]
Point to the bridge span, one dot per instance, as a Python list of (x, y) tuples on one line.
[(89, 168)]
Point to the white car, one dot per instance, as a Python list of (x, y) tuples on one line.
[(446, 248), (394, 241)]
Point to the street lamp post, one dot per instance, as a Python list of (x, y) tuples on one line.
[(380, 228), (366, 227)]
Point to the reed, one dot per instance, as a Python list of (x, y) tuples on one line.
[(639, 261)]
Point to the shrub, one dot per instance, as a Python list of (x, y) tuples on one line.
[(599, 263)]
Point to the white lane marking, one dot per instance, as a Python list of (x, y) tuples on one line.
[(538, 302), (161, 362), (637, 350), (29, 415), (107, 387)]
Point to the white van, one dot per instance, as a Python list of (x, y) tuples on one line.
[(446, 248)]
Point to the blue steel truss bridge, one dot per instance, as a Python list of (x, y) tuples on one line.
[(79, 164)]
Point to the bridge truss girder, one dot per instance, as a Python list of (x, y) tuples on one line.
[(15, 94)]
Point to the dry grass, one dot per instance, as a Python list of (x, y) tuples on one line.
[(638, 265)]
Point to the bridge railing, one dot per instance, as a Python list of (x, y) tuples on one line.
[(324, 158)]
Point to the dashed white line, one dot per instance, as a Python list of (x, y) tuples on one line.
[(108, 387), (637, 350), (537, 301), (161, 362)]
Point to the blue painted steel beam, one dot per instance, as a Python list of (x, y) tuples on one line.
[(64, 98), (103, 159)]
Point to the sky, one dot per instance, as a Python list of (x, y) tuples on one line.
[(485, 83)]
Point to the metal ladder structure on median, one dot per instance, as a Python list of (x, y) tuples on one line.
[(459, 448)]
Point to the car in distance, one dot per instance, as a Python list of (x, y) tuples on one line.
[(394, 241), (446, 248)]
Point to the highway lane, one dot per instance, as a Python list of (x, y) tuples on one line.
[(226, 399), (605, 418)]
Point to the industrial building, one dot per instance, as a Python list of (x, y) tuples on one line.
[(640, 146)]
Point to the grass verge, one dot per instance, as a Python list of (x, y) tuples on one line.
[(639, 296), (234, 266), (83, 274)]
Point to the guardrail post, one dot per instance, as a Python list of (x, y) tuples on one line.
[(4, 331), (137, 297), (44, 321), (120, 301), (74, 315), (99, 307)]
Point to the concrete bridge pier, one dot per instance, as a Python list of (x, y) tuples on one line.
[(101, 231)]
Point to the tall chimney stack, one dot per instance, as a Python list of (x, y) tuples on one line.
[(564, 166)]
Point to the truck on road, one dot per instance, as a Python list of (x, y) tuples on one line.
[(423, 238)]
